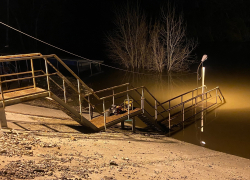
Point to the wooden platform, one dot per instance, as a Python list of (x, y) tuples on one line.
[(20, 95), (111, 120)]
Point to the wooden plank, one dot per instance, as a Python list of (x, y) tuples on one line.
[(99, 121)]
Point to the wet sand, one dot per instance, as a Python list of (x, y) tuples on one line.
[(58, 148)]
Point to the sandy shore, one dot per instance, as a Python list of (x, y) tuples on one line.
[(40, 147)]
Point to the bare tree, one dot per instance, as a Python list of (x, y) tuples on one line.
[(128, 44), (177, 46), (157, 55), (139, 43)]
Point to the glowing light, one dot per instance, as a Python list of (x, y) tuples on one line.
[(203, 143)]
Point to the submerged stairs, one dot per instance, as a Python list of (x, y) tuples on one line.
[(75, 96)]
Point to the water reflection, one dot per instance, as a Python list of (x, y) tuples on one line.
[(225, 129)]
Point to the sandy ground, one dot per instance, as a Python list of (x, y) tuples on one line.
[(56, 147)]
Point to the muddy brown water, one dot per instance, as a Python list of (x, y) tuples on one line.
[(227, 128)]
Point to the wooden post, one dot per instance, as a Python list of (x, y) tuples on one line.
[(3, 120), (33, 73), (133, 124), (1, 91), (122, 124)]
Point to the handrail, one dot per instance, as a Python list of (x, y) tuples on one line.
[(121, 92), (111, 88), (14, 74), (154, 99), (82, 96), (173, 107), (182, 95), (89, 89), (25, 58), (20, 55), (18, 79)]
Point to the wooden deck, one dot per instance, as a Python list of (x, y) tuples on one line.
[(111, 120), (20, 95)]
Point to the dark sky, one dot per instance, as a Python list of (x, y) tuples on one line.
[(80, 26)]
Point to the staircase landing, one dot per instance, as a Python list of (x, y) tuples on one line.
[(111, 120), (21, 95)]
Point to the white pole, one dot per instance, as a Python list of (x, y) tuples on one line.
[(203, 80), (204, 58)]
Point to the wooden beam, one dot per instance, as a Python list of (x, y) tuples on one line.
[(3, 121)]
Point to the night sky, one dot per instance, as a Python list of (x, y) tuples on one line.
[(80, 26)]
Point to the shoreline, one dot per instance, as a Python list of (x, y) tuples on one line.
[(58, 148)]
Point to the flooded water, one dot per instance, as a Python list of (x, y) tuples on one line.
[(226, 129)]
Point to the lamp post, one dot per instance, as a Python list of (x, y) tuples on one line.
[(204, 58)]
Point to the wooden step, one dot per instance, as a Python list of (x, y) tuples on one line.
[(111, 120)]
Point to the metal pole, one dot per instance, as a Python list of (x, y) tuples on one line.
[(142, 100), (195, 104), (4, 77), (47, 74), (192, 98), (183, 118), (16, 69), (204, 58), (104, 114), (64, 92), (216, 95), (90, 109), (206, 100), (79, 94), (181, 101), (155, 110), (113, 97), (128, 102), (203, 80), (169, 111), (33, 74), (169, 120)]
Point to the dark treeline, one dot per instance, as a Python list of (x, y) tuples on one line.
[(80, 26)]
